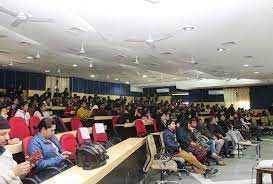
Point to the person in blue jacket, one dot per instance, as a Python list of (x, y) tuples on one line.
[(46, 142)]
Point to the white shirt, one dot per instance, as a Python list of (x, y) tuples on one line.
[(22, 114), (41, 116), (6, 165)]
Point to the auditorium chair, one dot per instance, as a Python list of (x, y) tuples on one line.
[(140, 128), (33, 125), (100, 136), (154, 162), (83, 135), (69, 143), (76, 123), (115, 120), (18, 128)]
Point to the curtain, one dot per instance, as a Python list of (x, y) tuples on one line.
[(239, 97), (53, 82)]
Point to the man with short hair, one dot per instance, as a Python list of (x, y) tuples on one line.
[(10, 171)]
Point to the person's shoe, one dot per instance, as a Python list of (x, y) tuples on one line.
[(258, 139), (221, 163), (210, 172)]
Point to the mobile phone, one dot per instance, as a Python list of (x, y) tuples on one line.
[(37, 155)]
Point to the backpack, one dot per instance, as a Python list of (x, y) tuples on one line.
[(90, 156)]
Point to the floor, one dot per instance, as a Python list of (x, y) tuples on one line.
[(237, 170)]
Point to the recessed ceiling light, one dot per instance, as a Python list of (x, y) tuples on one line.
[(144, 76), (188, 28), (10, 64), (90, 65), (174, 78), (127, 82), (220, 49), (256, 72), (246, 65), (74, 65), (92, 76), (107, 76), (29, 57), (116, 79), (153, 1), (59, 70), (47, 71)]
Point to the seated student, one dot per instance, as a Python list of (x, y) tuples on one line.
[(22, 112), (69, 111), (46, 142), (206, 142), (10, 171), (172, 146), (4, 109), (83, 112), (41, 112)]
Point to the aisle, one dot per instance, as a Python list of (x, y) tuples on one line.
[(237, 171)]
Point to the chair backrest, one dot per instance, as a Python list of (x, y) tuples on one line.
[(115, 120), (69, 143), (140, 128), (83, 135), (18, 128), (163, 148), (151, 151), (26, 142), (98, 133), (33, 124), (76, 123)]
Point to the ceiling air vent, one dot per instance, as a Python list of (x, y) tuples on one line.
[(258, 66), (3, 36), (226, 44)]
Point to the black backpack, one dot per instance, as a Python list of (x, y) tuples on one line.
[(90, 156)]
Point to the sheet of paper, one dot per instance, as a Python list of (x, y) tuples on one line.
[(99, 128), (84, 133)]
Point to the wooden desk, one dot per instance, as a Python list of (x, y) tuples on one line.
[(260, 172), (56, 108), (17, 148), (101, 118), (127, 125), (66, 120), (117, 154)]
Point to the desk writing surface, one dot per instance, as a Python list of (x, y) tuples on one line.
[(66, 120), (97, 118), (117, 154)]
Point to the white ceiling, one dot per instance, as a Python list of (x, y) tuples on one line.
[(105, 27)]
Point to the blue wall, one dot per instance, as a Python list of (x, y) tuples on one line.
[(96, 87), (28, 80), (195, 95), (261, 96)]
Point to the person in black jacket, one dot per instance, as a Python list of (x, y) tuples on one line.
[(172, 146)]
